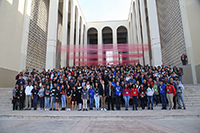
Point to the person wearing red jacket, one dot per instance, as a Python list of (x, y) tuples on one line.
[(126, 96), (170, 93), (134, 96)]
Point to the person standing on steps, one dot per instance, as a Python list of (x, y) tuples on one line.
[(85, 97), (126, 96), (184, 59), (110, 91), (28, 92), (162, 89), (118, 92), (134, 96), (79, 92), (102, 93), (35, 96), (180, 95), (150, 93), (172, 82), (46, 97), (170, 93)]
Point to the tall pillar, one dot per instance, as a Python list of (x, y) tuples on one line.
[(52, 35), (135, 42), (25, 32), (138, 31), (77, 38), (81, 45), (64, 33), (144, 33), (115, 46), (85, 44), (100, 46), (188, 40), (154, 33), (72, 23)]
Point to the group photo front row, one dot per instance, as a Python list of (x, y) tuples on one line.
[(102, 87)]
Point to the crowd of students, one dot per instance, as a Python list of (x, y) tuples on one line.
[(119, 85)]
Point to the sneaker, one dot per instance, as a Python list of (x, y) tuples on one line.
[(54, 109), (50, 109), (151, 108), (86, 109), (79, 110), (179, 108), (105, 109), (169, 108), (126, 109), (184, 108), (148, 108), (102, 109)]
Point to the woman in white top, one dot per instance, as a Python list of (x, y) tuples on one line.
[(150, 92)]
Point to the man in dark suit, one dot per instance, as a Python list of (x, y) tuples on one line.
[(110, 91)]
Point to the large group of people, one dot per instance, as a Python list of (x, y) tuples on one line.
[(133, 86)]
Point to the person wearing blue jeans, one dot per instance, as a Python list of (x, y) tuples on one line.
[(180, 89), (53, 97), (52, 102), (91, 97), (150, 92), (46, 97), (96, 96), (41, 96), (126, 99), (126, 95), (35, 96), (162, 89)]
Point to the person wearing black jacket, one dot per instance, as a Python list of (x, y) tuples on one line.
[(22, 97), (110, 91), (52, 105), (57, 97), (102, 93), (17, 99), (20, 81)]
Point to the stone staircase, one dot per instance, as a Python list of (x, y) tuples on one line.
[(191, 97)]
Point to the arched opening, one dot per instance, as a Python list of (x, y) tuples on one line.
[(122, 41), (107, 35), (92, 52)]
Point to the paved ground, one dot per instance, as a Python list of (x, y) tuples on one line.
[(187, 121), (95, 126)]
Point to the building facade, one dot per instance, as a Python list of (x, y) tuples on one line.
[(38, 34)]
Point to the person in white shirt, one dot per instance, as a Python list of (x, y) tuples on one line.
[(150, 92), (28, 96)]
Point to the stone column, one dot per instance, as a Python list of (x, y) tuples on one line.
[(100, 46), (144, 33), (81, 45), (72, 23), (25, 32), (52, 35), (77, 38), (115, 46), (154, 33), (135, 42), (85, 45), (64, 33), (138, 30)]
